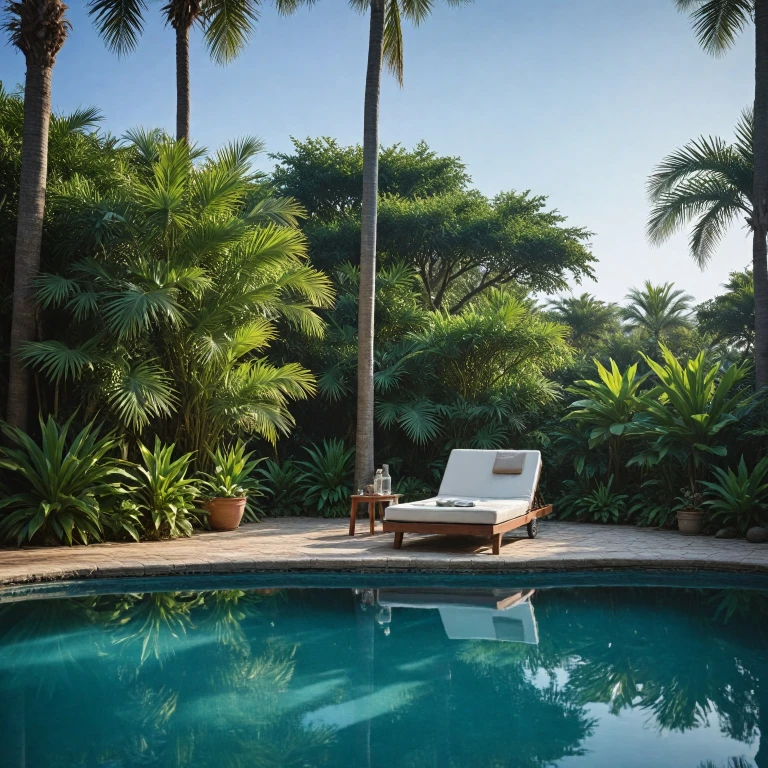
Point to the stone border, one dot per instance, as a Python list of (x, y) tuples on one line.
[(307, 545)]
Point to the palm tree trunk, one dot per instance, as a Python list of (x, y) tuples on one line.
[(367, 291), (182, 83), (29, 232), (760, 195)]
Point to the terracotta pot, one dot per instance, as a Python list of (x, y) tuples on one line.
[(225, 514), (690, 521)]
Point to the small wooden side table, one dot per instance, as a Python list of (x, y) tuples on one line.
[(373, 501)]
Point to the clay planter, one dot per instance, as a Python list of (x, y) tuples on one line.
[(690, 521), (225, 514)]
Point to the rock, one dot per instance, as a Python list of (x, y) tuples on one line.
[(728, 533), (757, 535)]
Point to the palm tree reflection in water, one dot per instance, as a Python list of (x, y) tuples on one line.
[(307, 677)]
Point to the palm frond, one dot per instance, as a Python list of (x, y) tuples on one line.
[(58, 361), (717, 23), (119, 22), (228, 25), (140, 392)]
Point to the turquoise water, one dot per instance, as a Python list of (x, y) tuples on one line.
[(598, 677)]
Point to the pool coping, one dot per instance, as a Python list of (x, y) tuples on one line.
[(311, 545)]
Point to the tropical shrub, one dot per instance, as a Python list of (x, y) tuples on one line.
[(686, 413), (233, 477), (170, 322), (607, 407), (282, 493), (600, 504), (59, 488), (326, 478), (738, 499), (162, 494)]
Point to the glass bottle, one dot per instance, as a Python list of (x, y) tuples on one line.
[(386, 481), (377, 482)]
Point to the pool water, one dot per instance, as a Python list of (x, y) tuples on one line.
[(293, 677)]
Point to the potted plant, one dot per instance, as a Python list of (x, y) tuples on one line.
[(230, 486), (690, 515)]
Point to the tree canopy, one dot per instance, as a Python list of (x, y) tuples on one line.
[(460, 242)]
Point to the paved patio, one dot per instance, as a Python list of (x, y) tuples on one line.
[(312, 544)]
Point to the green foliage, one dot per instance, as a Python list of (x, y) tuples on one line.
[(589, 319), (608, 407), (730, 317), (326, 478), (708, 182), (657, 310), (171, 323), (233, 476), (282, 491), (59, 487), (598, 504), (686, 412), (162, 493), (458, 242), (739, 499)]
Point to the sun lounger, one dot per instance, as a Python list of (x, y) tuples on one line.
[(502, 486), (501, 615)]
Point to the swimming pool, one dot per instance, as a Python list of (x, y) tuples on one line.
[(387, 672)]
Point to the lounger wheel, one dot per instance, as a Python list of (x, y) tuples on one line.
[(533, 528)]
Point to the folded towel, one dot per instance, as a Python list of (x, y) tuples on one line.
[(453, 503), (464, 504)]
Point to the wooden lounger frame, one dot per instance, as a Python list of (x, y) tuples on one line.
[(494, 532)]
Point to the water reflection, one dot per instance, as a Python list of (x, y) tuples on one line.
[(403, 677)]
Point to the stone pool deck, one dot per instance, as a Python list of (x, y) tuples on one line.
[(310, 544)]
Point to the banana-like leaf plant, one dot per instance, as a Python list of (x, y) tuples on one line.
[(686, 413), (608, 407)]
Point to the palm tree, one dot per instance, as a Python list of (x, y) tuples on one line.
[(226, 30), (174, 319), (657, 309), (38, 29), (385, 44), (717, 23), (588, 318)]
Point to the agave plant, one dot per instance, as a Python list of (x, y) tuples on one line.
[(326, 478), (281, 488), (233, 477), (686, 412), (740, 498), (60, 486), (162, 493)]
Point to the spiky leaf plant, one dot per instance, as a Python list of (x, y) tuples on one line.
[(59, 486)]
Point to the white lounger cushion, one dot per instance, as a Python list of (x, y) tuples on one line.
[(485, 511), (469, 475)]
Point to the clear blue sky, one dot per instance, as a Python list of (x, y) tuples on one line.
[(574, 99)]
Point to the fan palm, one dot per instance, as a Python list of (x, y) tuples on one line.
[(174, 318), (657, 309), (38, 28), (717, 24), (227, 26), (588, 318), (385, 44)]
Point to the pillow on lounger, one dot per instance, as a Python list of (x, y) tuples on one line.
[(509, 463)]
